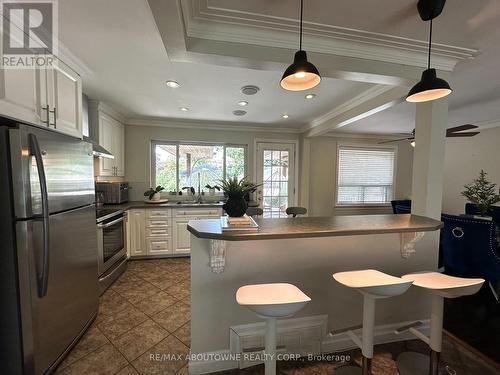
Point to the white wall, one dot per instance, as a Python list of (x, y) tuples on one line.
[(138, 147), (317, 166), (322, 175), (465, 157)]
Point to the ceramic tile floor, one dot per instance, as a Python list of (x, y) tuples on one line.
[(147, 311)]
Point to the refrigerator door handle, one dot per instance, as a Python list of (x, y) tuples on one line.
[(43, 277)]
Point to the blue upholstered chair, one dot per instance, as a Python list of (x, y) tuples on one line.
[(403, 205), (402, 209), (469, 248), (494, 212)]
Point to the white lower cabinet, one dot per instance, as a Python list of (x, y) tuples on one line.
[(136, 222), (182, 236), (163, 231)]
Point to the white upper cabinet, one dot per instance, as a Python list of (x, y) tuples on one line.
[(65, 95), (18, 94), (110, 134), (46, 97)]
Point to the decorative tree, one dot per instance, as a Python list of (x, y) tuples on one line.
[(482, 193)]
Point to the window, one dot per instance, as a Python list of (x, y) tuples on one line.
[(365, 175), (177, 165)]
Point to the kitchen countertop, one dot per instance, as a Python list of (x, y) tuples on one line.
[(304, 227), (141, 204)]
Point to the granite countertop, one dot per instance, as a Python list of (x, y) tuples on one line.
[(305, 227), (141, 204)]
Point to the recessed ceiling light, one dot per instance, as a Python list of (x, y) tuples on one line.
[(239, 112), (184, 109), (284, 115), (310, 96), (243, 103), (172, 84), (250, 90)]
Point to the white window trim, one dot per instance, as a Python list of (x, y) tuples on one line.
[(369, 146), (152, 156)]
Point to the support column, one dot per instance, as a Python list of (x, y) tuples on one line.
[(431, 121)]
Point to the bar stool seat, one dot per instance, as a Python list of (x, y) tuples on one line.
[(373, 285), (277, 300), (440, 286), (445, 285), (272, 301)]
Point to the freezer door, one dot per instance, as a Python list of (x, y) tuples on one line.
[(52, 322), (68, 166)]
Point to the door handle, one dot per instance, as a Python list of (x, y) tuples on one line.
[(46, 109), (107, 225), (54, 112), (43, 277)]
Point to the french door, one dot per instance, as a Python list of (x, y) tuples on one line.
[(276, 173)]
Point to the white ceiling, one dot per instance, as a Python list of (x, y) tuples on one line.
[(119, 42)]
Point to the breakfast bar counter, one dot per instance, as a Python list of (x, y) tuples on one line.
[(305, 227), (304, 252)]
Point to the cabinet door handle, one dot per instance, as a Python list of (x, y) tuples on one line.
[(54, 112), (46, 108)]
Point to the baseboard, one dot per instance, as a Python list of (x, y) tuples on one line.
[(222, 360)]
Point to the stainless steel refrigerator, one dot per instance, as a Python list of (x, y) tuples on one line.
[(48, 240)]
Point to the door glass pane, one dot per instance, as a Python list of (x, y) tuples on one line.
[(275, 177), (200, 163), (166, 166)]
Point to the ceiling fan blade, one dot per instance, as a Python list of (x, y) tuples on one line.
[(395, 140), (461, 128), (457, 135)]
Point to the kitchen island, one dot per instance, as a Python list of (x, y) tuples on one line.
[(305, 252)]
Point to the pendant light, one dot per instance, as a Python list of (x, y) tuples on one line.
[(301, 75), (430, 86)]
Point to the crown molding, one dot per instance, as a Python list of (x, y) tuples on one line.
[(208, 125), (377, 136), (204, 22)]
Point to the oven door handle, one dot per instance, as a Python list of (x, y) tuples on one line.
[(102, 226)]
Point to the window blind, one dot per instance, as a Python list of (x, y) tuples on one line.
[(365, 175)]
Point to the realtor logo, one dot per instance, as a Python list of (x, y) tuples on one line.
[(29, 33)]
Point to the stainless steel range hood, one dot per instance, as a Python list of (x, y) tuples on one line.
[(98, 150)]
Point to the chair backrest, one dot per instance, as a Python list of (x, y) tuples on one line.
[(401, 209), (402, 203), (296, 211), (470, 247), (494, 212), (254, 211)]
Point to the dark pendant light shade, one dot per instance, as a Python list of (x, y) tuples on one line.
[(429, 88), (301, 75)]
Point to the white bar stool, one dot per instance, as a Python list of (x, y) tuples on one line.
[(440, 286), (272, 301), (372, 285)]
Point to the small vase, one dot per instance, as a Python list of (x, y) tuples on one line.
[(156, 197), (235, 206)]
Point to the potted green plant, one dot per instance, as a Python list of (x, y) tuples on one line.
[(482, 193), (153, 194), (236, 190), (211, 189)]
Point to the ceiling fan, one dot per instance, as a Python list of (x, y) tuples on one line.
[(457, 131)]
